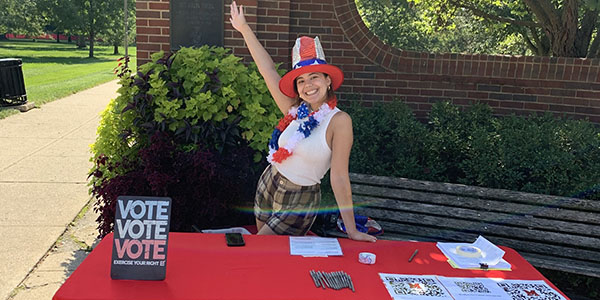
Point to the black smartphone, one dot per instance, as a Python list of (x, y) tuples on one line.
[(234, 239)]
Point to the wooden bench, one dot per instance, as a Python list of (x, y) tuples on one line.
[(551, 232)]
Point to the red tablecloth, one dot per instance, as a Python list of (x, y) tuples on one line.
[(201, 266)]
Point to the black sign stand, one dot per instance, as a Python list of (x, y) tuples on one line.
[(141, 236)]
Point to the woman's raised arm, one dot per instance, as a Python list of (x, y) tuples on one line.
[(263, 60)]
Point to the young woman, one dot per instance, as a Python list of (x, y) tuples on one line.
[(313, 137)]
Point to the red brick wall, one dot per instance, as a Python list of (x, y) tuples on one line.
[(152, 21), (377, 72)]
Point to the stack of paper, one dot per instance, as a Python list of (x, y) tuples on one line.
[(315, 246), (474, 255)]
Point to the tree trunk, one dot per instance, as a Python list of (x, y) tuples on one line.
[(536, 41), (562, 30), (92, 33), (81, 41), (560, 25), (58, 36), (116, 49), (593, 52), (91, 44), (560, 43), (584, 34)]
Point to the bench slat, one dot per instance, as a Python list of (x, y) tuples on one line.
[(435, 226), (527, 222), (565, 265), (395, 231), (460, 189), (471, 202), (394, 236)]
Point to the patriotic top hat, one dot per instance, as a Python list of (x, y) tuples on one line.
[(308, 57)]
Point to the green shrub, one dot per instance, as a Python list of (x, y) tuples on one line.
[(186, 125), (198, 94), (539, 154), (452, 134), (388, 140)]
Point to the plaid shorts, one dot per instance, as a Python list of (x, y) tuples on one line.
[(287, 208)]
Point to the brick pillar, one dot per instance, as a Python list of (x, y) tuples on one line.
[(152, 28)]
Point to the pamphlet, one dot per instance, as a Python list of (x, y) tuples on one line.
[(529, 289), (474, 288), (412, 287), (315, 246)]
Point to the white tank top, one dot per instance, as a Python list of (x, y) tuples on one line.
[(312, 156)]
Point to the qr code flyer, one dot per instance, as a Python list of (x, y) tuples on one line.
[(530, 290), (414, 287), (474, 288)]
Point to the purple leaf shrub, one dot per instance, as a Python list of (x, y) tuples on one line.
[(207, 187)]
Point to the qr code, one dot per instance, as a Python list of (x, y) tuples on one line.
[(472, 287), (530, 291), (415, 286)]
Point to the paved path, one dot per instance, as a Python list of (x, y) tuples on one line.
[(44, 161)]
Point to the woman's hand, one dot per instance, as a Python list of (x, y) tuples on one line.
[(237, 19), (359, 236)]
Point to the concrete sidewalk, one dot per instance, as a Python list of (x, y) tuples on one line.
[(44, 161)]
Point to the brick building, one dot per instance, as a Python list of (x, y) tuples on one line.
[(377, 72)]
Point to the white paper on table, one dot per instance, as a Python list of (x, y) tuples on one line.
[(315, 246), (490, 254), (475, 288), (419, 287), (414, 287), (529, 289)]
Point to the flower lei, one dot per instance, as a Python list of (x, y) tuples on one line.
[(277, 154)]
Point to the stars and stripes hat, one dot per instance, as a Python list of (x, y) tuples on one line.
[(308, 57)]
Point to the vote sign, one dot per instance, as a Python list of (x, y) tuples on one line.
[(141, 235)]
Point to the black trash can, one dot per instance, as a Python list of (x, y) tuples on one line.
[(12, 85)]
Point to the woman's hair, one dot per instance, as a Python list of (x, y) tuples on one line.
[(330, 92)]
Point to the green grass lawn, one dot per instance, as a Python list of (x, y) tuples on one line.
[(54, 70)]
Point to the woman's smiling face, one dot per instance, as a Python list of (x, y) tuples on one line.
[(312, 88)]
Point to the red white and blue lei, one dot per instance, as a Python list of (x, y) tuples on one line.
[(279, 154)]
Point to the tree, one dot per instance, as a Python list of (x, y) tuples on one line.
[(115, 31), (82, 17), (98, 17), (20, 17), (566, 28), (402, 24), (61, 16), (395, 24), (66, 16)]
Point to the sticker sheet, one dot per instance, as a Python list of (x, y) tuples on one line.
[(411, 287), (474, 288), (530, 290)]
